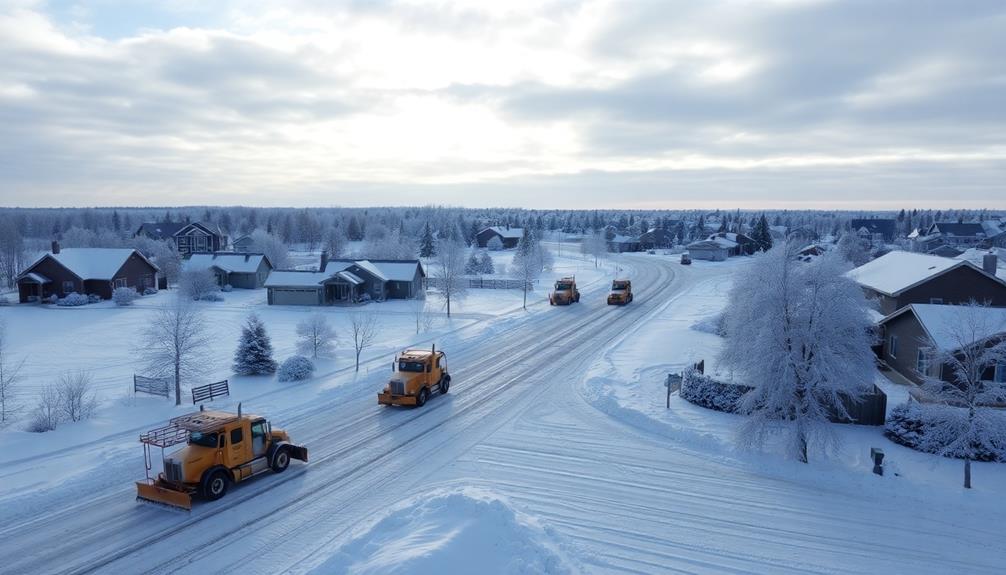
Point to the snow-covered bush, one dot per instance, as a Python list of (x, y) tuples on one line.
[(93, 298), (4, 300), (73, 299), (46, 415), (713, 324), (486, 263), (295, 368), (226, 288), (149, 291), (75, 391), (705, 391), (495, 244), (212, 297), (934, 428), (123, 296), (53, 299), (254, 352)]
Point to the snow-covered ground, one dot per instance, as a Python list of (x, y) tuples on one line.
[(553, 452)]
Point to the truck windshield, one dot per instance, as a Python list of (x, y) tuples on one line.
[(413, 366), (204, 439), (559, 286), (617, 287)]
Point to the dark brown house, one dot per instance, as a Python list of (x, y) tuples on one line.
[(509, 236), (85, 271), (347, 281), (898, 278), (914, 335), (189, 238)]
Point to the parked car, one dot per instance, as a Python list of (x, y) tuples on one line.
[(686, 260)]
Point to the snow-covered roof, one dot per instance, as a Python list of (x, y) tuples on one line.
[(708, 245), (227, 261), (512, 233), (943, 323), (93, 263), (620, 239), (373, 269), (37, 278), (724, 242), (897, 271), (350, 277), (977, 256), (296, 278), (403, 271)]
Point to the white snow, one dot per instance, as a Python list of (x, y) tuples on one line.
[(897, 271), (942, 323), (296, 278), (92, 263)]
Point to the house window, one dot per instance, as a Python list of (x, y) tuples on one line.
[(936, 300), (892, 346), (120, 282), (68, 286), (1000, 375), (922, 362)]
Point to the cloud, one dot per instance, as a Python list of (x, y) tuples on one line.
[(667, 103)]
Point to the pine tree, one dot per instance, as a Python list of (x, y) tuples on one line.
[(427, 249), (353, 230), (473, 266), (254, 353)]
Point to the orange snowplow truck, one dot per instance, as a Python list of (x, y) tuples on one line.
[(221, 448), (621, 292), (565, 292), (417, 374)]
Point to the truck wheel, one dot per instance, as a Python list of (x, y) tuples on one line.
[(281, 461), (421, 399), (215, 485), (445, 384)]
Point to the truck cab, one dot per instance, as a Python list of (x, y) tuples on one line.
[(621, 292), (416, 374), (564, 292)]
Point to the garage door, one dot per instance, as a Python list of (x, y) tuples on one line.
[(283, 296)]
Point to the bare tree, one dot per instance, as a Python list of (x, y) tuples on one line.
[(595, 245), (363, 327), (424, 319), (174, 343), (47, 412), (530, 260), (967, 345), (449, 270), (10, 374), (317, 337), (77, 400)]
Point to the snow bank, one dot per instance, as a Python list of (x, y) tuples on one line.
[(466, 531)]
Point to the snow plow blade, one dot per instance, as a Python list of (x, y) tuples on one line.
[(157, 494), (392, 399)]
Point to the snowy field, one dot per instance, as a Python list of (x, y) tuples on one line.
[(553, 453)]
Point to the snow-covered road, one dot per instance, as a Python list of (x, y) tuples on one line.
[(606, 496)]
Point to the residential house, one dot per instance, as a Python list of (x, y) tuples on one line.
[(238, 270), (713, 250), (945, 251), (961, 235), (347, 281), (195, 237), (742, 244), (875, 230), (654, 238), (995, 233), (981, 258), (86, 271), (915, 334), (243, 244), (619, 244), (509, 236), (899, 278)]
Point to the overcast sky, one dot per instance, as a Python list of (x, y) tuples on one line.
[(641, 104)]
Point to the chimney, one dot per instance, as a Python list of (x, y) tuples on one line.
[(324, 261), (990, 262), (55, 246)]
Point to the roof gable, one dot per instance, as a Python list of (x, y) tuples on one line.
[(938, 323), (897, 271)]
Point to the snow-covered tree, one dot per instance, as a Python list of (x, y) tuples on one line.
[(167, 259), (473, 266), (315, 336), (449, 270), (10, 374), (254, 353), (199, 285), (797, 333), (595, 245), (427, 247), (295, 368), (272, 247), (334, 242), (527, 262), (972, 347), (174, 343), (853, 249), (12, 251), (486, 266), (494, 244), (363, 329)]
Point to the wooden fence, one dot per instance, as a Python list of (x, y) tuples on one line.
[(153, 385), (210, 391)]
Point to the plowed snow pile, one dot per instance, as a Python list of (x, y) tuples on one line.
[(466, 531)]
